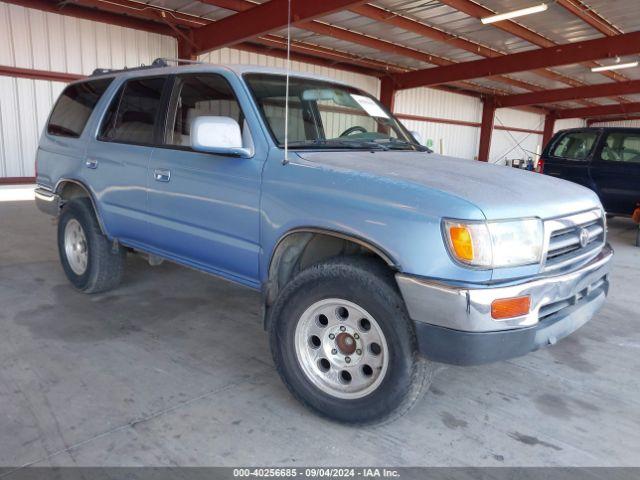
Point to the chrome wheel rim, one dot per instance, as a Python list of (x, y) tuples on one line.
[(341, 348), (75, 246)]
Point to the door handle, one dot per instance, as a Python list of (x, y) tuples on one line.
[(162, 175), (91, 163)]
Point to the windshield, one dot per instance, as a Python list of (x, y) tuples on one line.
[(326, 115)]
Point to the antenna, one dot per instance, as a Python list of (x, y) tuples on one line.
[(286, 89)]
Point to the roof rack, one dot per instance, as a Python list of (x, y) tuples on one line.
[(157, 63), (178, 61)]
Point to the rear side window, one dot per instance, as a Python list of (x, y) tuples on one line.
[(74, 107), (133, 114), (622, 147), (575, 145)]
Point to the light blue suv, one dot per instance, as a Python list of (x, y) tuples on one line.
[(375, 256)]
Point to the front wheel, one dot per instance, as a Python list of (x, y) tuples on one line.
[(344, 345)]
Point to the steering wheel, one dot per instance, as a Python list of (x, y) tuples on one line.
[(350, 130)]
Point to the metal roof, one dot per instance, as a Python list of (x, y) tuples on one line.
[(557, 25)]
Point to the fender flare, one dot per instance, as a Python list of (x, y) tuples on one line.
[(382, 253), (64, 181), (268, 283)]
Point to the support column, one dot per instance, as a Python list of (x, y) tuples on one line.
[(549, 124), (486, 128), (387, 92), (186, 51)]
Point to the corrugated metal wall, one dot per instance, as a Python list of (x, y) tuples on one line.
[(455, 140), (462, 141), (569, 123), (230, 56), (47, 41), (508, 144)]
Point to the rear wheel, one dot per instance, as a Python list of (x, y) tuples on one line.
[(344, 345), (89, 260)]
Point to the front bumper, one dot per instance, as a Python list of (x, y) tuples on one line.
[(454, 323)]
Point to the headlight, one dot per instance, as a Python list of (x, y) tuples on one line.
[(496, 244)]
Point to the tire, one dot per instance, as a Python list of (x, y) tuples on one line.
[(87, 256), (397, 376)]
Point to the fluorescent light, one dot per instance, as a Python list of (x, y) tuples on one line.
[(516, 13), (615, 66)]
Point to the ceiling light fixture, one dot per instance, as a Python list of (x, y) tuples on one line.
[(516, 13), (615, 66)]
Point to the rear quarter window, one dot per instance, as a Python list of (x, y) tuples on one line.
[(574, 145), (74, 107)]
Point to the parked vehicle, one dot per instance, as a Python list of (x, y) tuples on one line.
[(606, 160), (374, 256)]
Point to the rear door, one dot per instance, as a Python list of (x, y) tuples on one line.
[(616, 170), (118, 160), (569, 154)]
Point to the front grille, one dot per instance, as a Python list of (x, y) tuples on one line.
[(582, 296), (565, 248)]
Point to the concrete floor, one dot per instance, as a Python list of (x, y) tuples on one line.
[(173, 368)]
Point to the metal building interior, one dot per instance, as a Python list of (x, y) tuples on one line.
[(493, 92)]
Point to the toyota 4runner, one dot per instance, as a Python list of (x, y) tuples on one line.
[(375, 257)]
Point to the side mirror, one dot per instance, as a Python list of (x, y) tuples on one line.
[(221, 135), (417, 137)]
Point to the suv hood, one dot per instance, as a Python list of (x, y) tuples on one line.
[(499, 191)]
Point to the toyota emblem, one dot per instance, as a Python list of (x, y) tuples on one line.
[(584, 237)]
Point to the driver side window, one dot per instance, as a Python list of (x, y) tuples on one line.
[(197, 95), (575, 145), (622, 147)]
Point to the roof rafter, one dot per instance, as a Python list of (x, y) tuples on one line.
[(261, 19), (141, 10), (396, 20), (620, 118), (599, 111), (71, 10), (590, 16), (326, 29), (172, 18), (567, 94), (608, 47), (478, 11)]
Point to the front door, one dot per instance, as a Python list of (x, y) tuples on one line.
[(204, 207), (568, 156), (616, 171)]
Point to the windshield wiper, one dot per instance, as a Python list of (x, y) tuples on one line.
[(396, 142), (332, 143)]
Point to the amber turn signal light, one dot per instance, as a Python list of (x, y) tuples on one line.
[(461, 242), (510, 307)]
